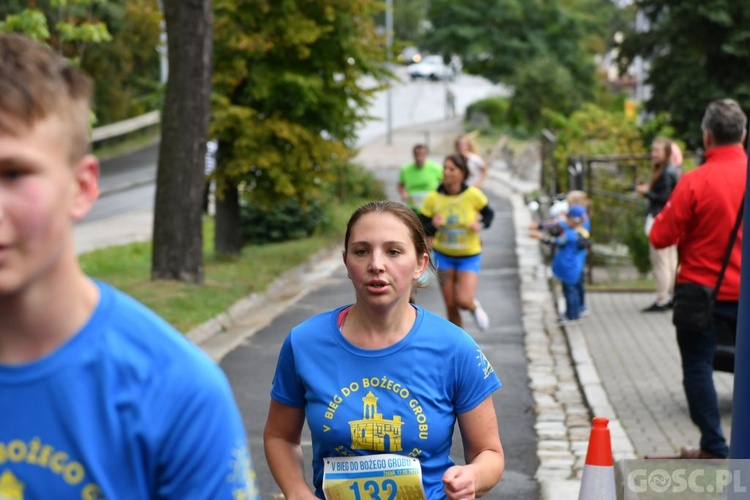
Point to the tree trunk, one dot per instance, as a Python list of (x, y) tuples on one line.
[(227, 230), (178, 232)]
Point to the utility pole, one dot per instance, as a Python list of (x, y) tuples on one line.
[(389, 53), (162, 47)]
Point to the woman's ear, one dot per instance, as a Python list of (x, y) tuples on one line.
[(86, 186), (423, 264)]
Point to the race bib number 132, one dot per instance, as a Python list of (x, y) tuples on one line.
[(373, 477)]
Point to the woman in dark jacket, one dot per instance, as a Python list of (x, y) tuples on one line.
[(664, 177)]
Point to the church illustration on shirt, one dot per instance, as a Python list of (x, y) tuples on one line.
[(373, 432)]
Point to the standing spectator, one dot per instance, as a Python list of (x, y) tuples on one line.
[(418, 178), (657, 190), (385, 379), (455, 214), (477, 166), (450, 103), (99, 397), (698, 218), (567, 264)]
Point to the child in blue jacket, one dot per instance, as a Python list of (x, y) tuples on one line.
[(567, 265)]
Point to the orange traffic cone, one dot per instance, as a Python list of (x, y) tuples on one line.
[(598, 481)]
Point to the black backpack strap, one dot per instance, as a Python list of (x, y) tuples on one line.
[(728, 253)]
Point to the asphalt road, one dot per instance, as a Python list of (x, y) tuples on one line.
[(128, 185), (250, 368)]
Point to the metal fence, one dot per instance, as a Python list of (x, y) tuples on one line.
[(115, 133), (617, 213)]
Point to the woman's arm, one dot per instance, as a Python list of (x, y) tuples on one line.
[(281, 441), (483, 453), (482, 173)]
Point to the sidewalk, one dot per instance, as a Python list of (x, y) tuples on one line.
[(617, 363)]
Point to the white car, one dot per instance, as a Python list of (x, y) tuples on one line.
[(430, 67)]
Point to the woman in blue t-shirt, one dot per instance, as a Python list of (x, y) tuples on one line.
[(382, 383)]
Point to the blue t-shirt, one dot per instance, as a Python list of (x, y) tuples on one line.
[(126, 408), (570, 258), (401, 399)]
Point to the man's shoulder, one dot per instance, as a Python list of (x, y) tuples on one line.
[(138, 335)]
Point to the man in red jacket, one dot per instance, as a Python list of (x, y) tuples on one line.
[(699, 217)]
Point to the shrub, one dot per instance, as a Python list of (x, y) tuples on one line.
[(638, 247), (291, 219), (357, 182), (285, 221), (494, 108)]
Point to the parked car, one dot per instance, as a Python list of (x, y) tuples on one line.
[(431, 67)]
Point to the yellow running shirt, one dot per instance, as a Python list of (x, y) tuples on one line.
[(459, 211)]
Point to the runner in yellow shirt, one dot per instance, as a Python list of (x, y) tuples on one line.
[(455, 214)]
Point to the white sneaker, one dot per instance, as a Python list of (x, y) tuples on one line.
[(585, 312), (480, 316)]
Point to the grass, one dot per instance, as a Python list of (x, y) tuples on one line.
[(635, 285), (186, 306)]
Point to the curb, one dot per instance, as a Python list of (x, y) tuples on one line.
[(563, 418)]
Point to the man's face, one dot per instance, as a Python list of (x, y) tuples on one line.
[(420, 155), (41, 194)]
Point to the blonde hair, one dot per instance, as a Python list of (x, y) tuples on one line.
[(37, 83), (578, 197), (470, 144)]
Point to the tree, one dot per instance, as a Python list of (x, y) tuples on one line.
[(698, 50), (76, 25), (113, 41), (127, 68), (178, 235), (289, 92), (545, 44)]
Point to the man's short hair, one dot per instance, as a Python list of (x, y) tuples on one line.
[(37, 83), (417, 147), (725, 121)]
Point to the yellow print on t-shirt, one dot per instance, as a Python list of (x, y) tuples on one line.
[(375, 431), (34, 452)]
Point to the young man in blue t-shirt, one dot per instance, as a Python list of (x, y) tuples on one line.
[(99, 397)]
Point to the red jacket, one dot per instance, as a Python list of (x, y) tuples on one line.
[(699, 217)]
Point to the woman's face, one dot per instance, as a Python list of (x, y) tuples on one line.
[(462, 145), (658, 153), (381, 260), (452, 175)]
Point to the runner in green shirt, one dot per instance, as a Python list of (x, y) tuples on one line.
[(419, 178)]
